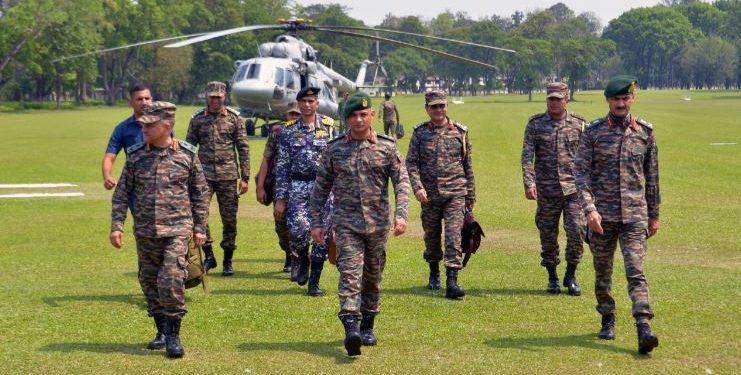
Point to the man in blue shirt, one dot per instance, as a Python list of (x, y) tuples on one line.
[(127, 133)]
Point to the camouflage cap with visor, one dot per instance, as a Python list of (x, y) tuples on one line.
[(293, 108), (216, 88), (157, 111), (435, 97), (557, 90)]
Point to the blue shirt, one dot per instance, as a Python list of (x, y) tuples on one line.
[(125, 135)]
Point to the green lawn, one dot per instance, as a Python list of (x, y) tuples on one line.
[(71, 303)]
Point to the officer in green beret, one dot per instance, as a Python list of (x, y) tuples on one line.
[(617, 179)]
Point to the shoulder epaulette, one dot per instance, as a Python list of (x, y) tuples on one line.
[(644, 123), (327, 121), (536, 116), (578, 116), (460, 126), (597, 122), (421, 124), (187, 146), (337, 138), (386, 137), (134, 148), (289, 123), (233, 111), (198, 113)]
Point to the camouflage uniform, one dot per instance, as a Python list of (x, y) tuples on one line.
[(357, 173), (221, 136), (271, 153), (617, 175), (439, 160), (548, 152), (299, 150), (390, 118), (172, 202)]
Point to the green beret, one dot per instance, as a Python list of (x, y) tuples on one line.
[(357, 101), (620, 85)]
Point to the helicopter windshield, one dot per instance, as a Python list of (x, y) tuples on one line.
[(240, 72), (253, 72), (279, 74)]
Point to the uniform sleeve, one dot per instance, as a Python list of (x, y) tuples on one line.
[(120, 200), (271, 145), (528, 155), (322, 187), (583, 172), (115, 143), (400, 180), (199, 197), (651, 171), (282, 168), (192, 136), (412, 163), (243, 149), (468, 168)]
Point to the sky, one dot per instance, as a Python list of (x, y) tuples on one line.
[(372, 12)]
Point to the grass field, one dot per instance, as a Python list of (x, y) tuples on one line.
[(72, 304)]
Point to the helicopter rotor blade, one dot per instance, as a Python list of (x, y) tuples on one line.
[(419, 35), (404, 44), (216, 34), (128, 46)]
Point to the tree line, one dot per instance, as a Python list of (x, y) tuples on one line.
[(676, 44)]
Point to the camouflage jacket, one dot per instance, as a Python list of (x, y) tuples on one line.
[(271, 145), (169, 189), (299, 149), (220, 138), (617, 170), (548, 152), (439, 160), (357, 173), (389, 111)]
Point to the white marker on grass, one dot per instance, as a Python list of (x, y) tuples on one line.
[(41, 195), (36, 186)]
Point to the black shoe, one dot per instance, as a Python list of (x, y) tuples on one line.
[(287, 264), (608, 327), (366, 329), (452, 290), (159, 339), (173, 349), (434, 283), (647, 341), (210, 261), (353, 342), (228, 270), (553, 287), (295, 262), (569, 281), (316, 274), (302, 276)]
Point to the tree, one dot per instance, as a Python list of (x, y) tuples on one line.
[(709, 62)]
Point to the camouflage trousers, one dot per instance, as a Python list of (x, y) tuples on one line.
[(547, 216), (390, 128), (299, 221), (162, 274), (281, 229), (228, 199), (632, 237), (361, 259), (450, 210)]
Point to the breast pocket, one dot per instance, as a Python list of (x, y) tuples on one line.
[(454, 147)]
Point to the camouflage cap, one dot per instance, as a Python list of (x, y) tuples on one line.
[(620, 85), (293, 107), (358, 101), (557, 90), (216, 88), (157, 111), (308, 91), (435, 97)]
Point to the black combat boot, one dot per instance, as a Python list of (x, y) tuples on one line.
[(647, 341), (366, 329), (303, 268), (173, 349), (608, 327), (228, 270), (434, 283), (295, 262), (287, 264), (569, 280), (316, 274), (159, 339), (553, 287), (353, 342), (452, 290), (210, 261)]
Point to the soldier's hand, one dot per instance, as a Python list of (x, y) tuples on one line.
[(261, 195), (653, 226), (594, 220), (531, 193), (400, 226), (116, 239), (199, 239), (317, 234), (421, 195), (279, 211), (243, 186), (109, 182)]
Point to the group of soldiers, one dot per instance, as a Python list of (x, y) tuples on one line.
[(331, 187)]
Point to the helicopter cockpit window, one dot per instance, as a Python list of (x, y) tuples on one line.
[(279, 80), (290, 80), (253, 72), (328, 93), (240, 72)]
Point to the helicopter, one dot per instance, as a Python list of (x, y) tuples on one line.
[(263, 87)]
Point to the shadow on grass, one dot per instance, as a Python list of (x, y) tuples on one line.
[(332, 349), (589, 341), (131, 299), (276, 260), (261, 292), (102, 347), (270, 275), (477, 292)]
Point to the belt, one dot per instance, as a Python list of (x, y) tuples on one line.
[(303, 177)]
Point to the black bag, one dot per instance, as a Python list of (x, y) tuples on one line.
[(269, 187), (399, 131)]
